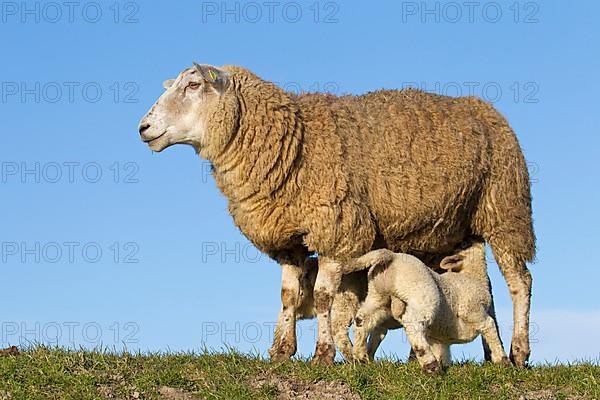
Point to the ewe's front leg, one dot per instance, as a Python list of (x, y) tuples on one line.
[(284, 341), (342, 315), (328, 281)]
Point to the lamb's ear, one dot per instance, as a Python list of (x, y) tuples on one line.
[(168, 83), (217, 78), (452, 263)]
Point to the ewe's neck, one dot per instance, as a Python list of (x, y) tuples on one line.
[(262, 156)]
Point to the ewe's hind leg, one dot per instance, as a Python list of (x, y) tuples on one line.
[(504, 221), (518, 279), (489, 332), (284, 341)]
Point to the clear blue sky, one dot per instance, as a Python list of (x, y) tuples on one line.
[(196, 280)]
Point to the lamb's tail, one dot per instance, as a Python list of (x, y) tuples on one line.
[(371, 259)]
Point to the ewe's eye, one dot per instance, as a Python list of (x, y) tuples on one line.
[(193, 85)]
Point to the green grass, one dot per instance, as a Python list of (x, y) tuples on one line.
[(41, 373)]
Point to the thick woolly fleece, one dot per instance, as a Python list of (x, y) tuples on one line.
[(417, 171)]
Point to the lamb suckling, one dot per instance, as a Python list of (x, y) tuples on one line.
[(436, 310)]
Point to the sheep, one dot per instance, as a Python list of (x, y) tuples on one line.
[(435, 310), (406, 170)]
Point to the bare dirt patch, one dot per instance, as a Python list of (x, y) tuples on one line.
[(287, 388), (169, 393), (548, 394)]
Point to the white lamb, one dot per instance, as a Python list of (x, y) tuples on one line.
[(436, 310)]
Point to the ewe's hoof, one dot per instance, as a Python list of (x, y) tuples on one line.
[(432, 368), (324, 354), (518, 356), (282, 352), (10, 351)]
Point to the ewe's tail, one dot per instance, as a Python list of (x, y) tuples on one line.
[(371, 259)]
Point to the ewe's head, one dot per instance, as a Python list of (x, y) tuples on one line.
[(197, 108)]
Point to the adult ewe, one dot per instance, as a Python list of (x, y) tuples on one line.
[(406, 170)]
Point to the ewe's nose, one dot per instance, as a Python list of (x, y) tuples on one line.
[(143, 127)]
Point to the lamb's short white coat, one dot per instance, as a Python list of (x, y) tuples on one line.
[(436, 310)]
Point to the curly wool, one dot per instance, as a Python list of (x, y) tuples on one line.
[(337, 176)]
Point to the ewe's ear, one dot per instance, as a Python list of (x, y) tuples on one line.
[(217, 78), (452, 263), (168, 83)]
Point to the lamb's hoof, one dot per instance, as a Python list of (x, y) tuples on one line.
[(519, 355), (282, 352), (324, 354), (432, 368)]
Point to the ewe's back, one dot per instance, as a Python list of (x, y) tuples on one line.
[(420, 159)]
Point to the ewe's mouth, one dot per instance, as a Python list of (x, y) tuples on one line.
[(149, 141)]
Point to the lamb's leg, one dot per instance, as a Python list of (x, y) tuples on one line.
[(328, 281), (415, 325), (398, 308), (489, 331), (375, 338), (487, 352), (396, 311), (371, 314), (441, 352), (284, 341)]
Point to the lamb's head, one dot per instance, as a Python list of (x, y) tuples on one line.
[(468, 256), (197, 108)]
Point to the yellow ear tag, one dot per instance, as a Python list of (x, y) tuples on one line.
[(212, 75)]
